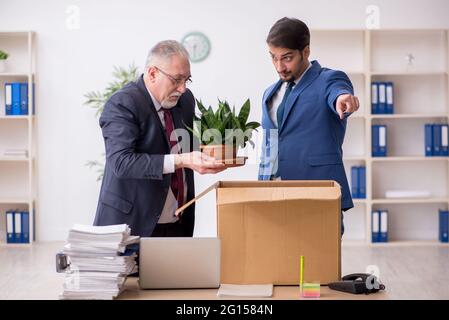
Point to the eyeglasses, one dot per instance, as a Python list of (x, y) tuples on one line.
[(176, 82)]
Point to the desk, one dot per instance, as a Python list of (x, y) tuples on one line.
[(133, 292)]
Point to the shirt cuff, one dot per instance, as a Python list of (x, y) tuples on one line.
[(169, 164)]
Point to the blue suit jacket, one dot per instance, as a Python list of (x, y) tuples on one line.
[(133, 189), (308, 144)]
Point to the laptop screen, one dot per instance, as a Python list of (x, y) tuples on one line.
[(172, 262)]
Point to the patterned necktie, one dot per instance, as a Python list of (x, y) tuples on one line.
[(177, 183), (280, 112)]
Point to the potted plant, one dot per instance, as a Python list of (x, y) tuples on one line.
[(3, 57), (223, 132)]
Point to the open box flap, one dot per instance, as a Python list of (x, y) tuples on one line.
[(231, 192)]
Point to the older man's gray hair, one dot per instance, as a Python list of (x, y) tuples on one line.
[(163, 51)]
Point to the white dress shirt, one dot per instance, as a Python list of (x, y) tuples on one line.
[(171, 203), (276, 100)]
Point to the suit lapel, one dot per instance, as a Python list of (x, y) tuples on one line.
[(306, 81), (144, 91), (267, 100)]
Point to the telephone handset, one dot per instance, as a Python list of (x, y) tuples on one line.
[(358, 283)]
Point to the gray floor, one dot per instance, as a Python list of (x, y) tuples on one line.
[(408, 271)]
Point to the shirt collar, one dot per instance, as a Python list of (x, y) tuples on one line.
[(303, 74), (157, 105)]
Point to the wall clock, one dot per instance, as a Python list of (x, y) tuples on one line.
[(198, 46)]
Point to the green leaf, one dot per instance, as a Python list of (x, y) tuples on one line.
[(121, 77), (244, 113), (236, 122), (226, 106), (252, 125), (200, 106)]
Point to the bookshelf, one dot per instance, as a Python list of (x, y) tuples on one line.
[(421, 93), (18, 189)]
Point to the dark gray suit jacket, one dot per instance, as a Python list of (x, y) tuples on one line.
[(134, 189)]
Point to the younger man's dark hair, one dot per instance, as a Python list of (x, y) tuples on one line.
[(289, 33)]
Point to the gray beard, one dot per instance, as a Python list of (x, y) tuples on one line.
[(168, 104)]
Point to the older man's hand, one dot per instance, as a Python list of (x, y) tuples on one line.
[(346, 103), (198, 162)]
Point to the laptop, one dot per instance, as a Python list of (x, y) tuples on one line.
[(176, 263)]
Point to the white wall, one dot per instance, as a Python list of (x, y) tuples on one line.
[(73, 62)]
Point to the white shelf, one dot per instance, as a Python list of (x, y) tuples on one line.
[(409, 200), (15, 117), (405, 73), (14, 245), (14, 75), (409, 116), (411, 243), (355, 73), (357, 116), (354, 158), (18, 185), (394, 243), (15, 33), (415, 158), (14, 201), (14, 159)]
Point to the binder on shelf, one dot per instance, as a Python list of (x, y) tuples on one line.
[(15, 89), (428, 140), (379, 140), (24, 98), (362, 182), (374, 140), (390, 98), (355, 182), (33, 101), (375, 226), (443, 226), (383, 235), (25, 238), (444, 151), (374, 98), (10, 236), (436, 139), (382, 140), (8, 99), (18, 226), (382, 98)]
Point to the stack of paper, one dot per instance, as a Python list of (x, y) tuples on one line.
[(98, 263), (250, 290), (16, 153), (407, 194)]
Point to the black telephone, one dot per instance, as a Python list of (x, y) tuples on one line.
[(358, 283)]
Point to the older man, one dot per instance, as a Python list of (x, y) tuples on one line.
[(148, 175)]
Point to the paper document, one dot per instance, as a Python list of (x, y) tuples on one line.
[(246, 290), (407, 194)]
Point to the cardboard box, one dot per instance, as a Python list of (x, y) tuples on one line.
[(265, 226)]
